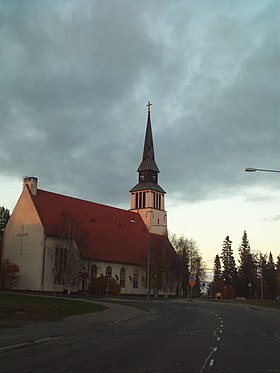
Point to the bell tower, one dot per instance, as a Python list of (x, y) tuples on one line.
[(147, 197)]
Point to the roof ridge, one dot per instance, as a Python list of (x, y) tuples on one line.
[(84, 200)]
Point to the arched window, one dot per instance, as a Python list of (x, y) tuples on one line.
[(122, 277), (109, 272), (93, 272), (135, 278)]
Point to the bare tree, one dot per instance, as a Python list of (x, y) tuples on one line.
[(68, 264)]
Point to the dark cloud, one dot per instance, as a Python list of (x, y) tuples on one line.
[(76, 80)]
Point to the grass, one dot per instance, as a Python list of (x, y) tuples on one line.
[(263, 303), (34, 308)]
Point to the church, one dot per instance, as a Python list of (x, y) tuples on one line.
[(63, 243)]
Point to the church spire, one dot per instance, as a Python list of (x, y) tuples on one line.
[(148, 161), (147, 197)]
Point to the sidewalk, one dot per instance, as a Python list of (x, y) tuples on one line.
[(28, 333)]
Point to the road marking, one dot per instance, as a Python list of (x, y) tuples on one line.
[(218, 338), (221, 331), (214, 349), (27, 344), (42, 340)]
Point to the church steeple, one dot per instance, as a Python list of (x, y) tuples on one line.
[(147, 197), (148, 168)]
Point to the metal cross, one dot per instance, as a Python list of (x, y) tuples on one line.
[(22, 235), (149, 106)]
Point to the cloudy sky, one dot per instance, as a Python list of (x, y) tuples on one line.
[(76, 76)]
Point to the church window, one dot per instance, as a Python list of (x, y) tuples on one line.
[(93, 272), (109, 272), (122, 277), (140, 200), (144, 200), (135, 279), (60, 264), (157, 200)]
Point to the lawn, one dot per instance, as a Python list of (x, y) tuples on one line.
[(35, 308), (264, 303)]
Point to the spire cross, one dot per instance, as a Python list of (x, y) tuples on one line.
[(149, 106)]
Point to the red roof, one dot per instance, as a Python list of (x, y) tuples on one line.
[(104, 233)]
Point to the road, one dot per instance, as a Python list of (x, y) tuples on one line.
[(176, 336)]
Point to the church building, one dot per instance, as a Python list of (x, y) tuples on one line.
[(63, 243)]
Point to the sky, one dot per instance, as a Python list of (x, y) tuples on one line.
[(76, 76)]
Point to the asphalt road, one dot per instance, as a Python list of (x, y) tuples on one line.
[(176, 336)]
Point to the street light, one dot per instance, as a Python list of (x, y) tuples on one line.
[(148, 253), (258, 251), (252, 169)]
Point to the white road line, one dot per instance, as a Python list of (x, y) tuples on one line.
[(218, 338), (28, 343), (211, 363), (42, 340)]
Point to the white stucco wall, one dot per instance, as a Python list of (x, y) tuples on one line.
[(128, 289), (25, 251)]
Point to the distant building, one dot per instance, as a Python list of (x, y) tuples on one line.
[(44, 228)]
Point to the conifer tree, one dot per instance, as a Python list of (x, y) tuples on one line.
[(217, 269), (278, 276), (247, 270), (4, 217), (270, 278), (228, 261)]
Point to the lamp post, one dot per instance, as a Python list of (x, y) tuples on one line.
[(148, 253), (252, 169), (258, 251)]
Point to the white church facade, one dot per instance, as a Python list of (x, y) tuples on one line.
[(129, 246)]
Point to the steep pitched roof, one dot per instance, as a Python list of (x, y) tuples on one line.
[(148, 160), (106, 233)]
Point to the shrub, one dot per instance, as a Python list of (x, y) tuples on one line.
[(9, 276), (104, 286)]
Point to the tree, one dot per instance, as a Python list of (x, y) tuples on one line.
[(163, 263), (247, 270), (278, 275), (68, 264), (217, 276), (4, 218), (191, 268), (229, 267), (9, 274), (181, 246), (270, 278), (99, 286)]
